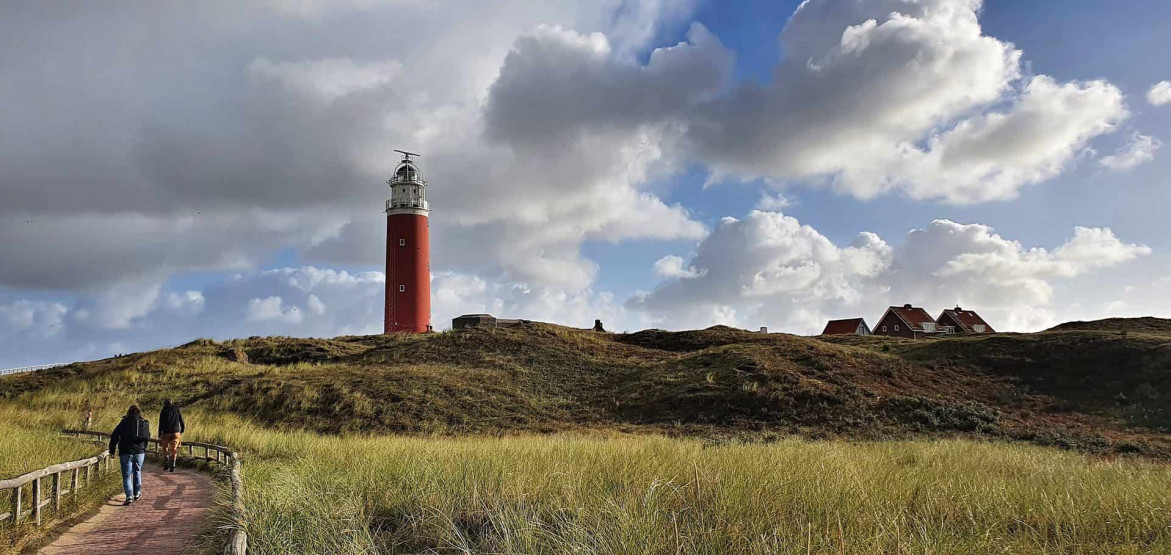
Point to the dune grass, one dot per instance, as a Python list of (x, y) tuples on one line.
[(573, 493), (25, 449), (561, 494), (646, 494)]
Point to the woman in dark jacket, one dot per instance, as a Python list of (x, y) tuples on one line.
[(130, 438), (171, 429)]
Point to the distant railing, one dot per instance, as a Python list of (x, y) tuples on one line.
[(22, 369)]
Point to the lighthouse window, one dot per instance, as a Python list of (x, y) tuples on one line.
[(402, 288), (402, 242)]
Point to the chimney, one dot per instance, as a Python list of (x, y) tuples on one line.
[(763, 329), (958, 309), (908, 305)]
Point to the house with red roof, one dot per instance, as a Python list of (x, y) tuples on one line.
[(855, 326), (964, 321), (908, 321)]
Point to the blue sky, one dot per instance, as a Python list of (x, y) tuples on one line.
[(214, 170)]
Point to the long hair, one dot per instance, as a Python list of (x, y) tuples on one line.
[(133, 411), (166, 402)]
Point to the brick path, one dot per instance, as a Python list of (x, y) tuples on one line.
[(165, 520)]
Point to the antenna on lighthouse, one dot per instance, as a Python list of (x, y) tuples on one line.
[(406, 155)]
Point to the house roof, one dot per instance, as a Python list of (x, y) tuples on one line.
[(966, 319), (913, 316), (839, 327)]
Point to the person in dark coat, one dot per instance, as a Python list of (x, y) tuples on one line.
[(171, 430), (130, 438)]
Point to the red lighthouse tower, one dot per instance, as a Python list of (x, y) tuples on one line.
[(408, 251)]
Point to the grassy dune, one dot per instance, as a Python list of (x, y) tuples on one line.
[(545, 439), (1096, 391), (621, 493)]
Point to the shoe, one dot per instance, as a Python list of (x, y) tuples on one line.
[(137, 497), (128, 502), (172, 468)]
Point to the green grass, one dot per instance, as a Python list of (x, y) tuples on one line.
[(24, 449), (621, 493), (572, 493)]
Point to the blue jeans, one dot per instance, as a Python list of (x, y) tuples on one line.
[(132, 474)]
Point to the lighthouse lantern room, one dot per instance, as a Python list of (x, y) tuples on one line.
[(408, 252)]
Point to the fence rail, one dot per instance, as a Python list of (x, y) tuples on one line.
[(23, 369), (80, 469), (78, 477)]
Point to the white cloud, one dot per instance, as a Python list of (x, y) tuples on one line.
[(865, 83), (671, 266), (991, 156), (766, 266), (466, 294), (43, 319), (1160, 93), (328, 79), (1140, 150), (188, 302), (315, 305), (118, 306), (273, 308), (768, 269), (775, 202), (948, 263)]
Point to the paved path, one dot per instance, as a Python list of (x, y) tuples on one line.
[(165, 520)]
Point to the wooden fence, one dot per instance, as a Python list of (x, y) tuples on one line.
[(80, 476), (68, 478)]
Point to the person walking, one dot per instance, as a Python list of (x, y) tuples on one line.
[(130, 438), (171, 430)]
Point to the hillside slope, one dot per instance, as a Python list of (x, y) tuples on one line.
[(1086, 389)]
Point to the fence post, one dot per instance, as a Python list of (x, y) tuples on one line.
[(16, 504), (207, 454), (37, 501), (56, 492), (73, 483)]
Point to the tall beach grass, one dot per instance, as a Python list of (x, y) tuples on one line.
[(310, 493)]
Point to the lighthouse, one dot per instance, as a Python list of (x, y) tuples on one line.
[(408, 251)]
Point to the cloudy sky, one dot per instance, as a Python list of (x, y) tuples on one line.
[(172, 170)]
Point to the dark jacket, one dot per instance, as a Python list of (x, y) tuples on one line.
[(170, 420), (130, 436)]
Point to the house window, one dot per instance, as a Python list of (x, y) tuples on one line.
[(896, 327), (883, 328), (402, 242), (979, 328), (402, 289), (928, 327)]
